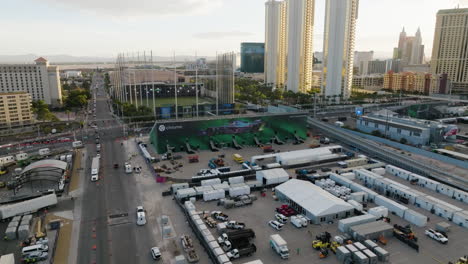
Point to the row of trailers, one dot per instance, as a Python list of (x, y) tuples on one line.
[(408, 195)]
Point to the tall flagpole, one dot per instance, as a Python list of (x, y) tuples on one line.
[(175, 89), (152, 84), (196, 82), (217, 84)]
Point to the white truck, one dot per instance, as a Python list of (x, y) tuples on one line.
[(44, 152), (77, 144), (235, 225), (95, 169), (28, 206), (279, 245)]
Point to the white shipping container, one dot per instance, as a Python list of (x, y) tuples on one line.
[(341, 180), (415, 218), (359, 197), (211, 182), (238, 191), (185, 193), (234, 180), (425, 202), (223, 186), (392, 206), (213, 195), (201, 189)]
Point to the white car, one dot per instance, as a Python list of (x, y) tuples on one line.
[(141, 216), (275, 224), (155, 253), (281, 218), (436, 236)]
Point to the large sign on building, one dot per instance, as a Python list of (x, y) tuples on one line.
[(222, 131)]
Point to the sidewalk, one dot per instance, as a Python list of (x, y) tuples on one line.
[(63, 242), (75, 176)]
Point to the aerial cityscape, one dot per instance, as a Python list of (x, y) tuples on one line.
[(234, 132)]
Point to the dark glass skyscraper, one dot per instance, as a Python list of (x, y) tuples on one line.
[(252, 57)]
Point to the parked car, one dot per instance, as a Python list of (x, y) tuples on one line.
[(275, 224), (436, 236), (281, 218), (155, 253)]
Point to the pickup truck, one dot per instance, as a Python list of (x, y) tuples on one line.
[(235, 225), (218, 215), (246, 251)]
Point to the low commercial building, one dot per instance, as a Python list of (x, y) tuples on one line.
[(420, 82), (372, 82), (414, 131), (15, 109), (312, 201)]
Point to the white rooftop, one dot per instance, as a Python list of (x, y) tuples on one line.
[(313, 198)]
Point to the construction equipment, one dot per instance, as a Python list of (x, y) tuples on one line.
[(407, 231), (333, 246), (462, 260), (317, 244), (406, 235)]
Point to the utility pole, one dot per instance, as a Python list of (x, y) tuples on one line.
[(196, 83), (175, 89)]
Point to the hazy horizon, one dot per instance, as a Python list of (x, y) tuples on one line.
[(103, 28)]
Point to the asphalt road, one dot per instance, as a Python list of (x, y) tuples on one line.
[(108, 232)]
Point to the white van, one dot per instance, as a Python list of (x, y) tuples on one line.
[(36, 248)]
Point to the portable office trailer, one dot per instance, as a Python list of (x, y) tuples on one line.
[(351, 248), (177, 186), (222, 186), (445, 189), (273, 176), (211, 181), (342, 253), (366, 176), (380, 185), (372, 230), (378, 171), (372, 257), (345, 224), (415, 218), (379, 211), (238, 191), (213, 195), (461, 218), (382, 254), (348, 175), (341, 180), (370, 244), (355, 187), (185, 193), (398, 172), (356, 205), (233, 180), (409, 194), (359, 246), (460, 195), (445, 210), (189, 206), (424, 182), (392, 206), (201, 189), (358, 196), (426, 202), (360, 258)]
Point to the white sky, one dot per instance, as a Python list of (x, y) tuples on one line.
[(106, 27)]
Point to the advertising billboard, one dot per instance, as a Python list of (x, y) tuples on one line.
[(222, 131)]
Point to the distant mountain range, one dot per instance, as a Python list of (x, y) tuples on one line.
[(66, 59)]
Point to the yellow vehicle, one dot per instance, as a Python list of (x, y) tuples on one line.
[(3, 170), (2, 184), (238, 158), (317, 244)]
